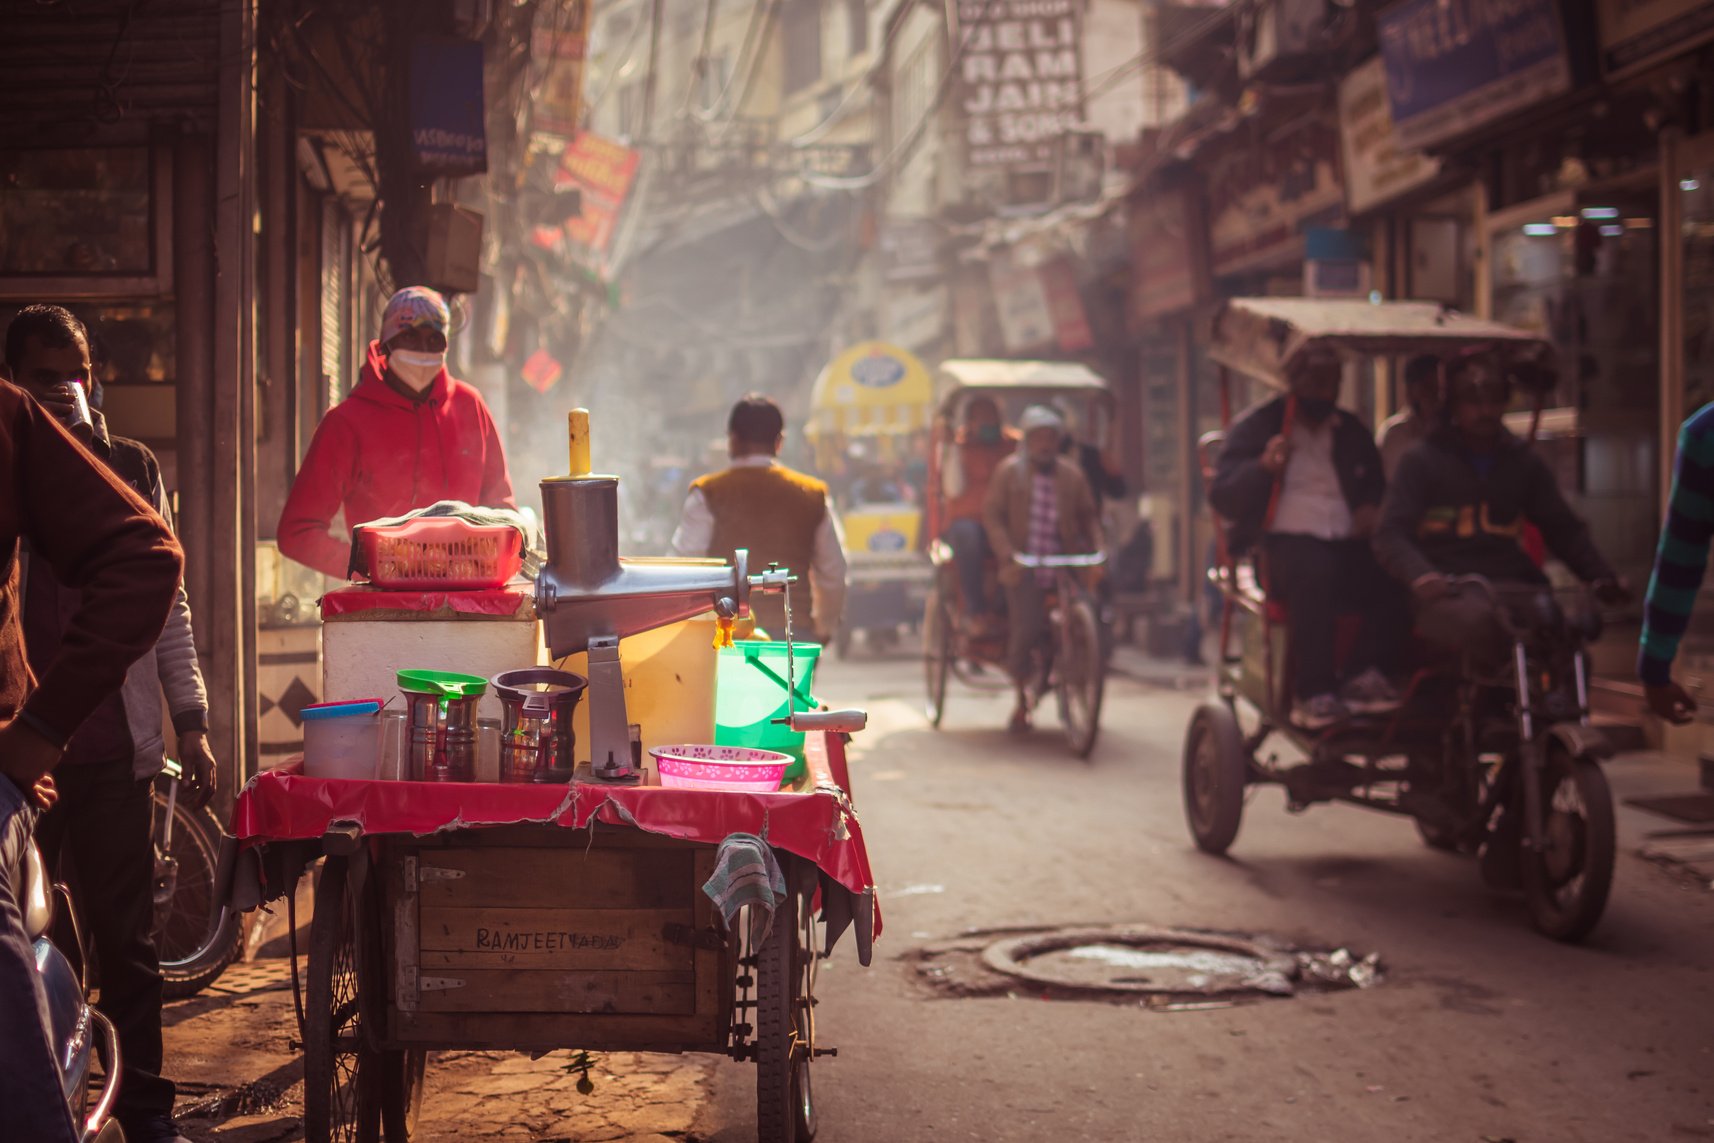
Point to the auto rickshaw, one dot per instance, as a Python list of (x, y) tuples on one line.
[(1072, 666), (1506, 767), (868, 413)]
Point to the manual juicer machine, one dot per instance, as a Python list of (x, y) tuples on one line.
[(588, 599)]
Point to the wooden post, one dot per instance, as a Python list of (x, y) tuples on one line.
[(1189, 560)]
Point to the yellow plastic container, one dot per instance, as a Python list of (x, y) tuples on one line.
[(669, 684)]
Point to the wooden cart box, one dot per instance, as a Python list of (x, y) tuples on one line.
[(539, 937)]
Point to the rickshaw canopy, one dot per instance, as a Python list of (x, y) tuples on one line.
[(960, 374), (871, 388), (1264, 337)]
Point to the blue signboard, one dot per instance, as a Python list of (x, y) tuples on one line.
[(1454, 65), (448, 129)]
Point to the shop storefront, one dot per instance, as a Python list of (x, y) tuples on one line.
[(1169, 284)]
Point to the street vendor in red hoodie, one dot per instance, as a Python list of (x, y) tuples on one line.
[(408, 436)]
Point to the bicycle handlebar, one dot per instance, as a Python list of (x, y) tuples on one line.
[(1085, 560)]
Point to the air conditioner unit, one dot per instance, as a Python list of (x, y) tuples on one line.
[(1278, 29)]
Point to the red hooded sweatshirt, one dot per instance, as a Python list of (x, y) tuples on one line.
[(378, 453)]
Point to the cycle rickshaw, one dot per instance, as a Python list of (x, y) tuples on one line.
[(1506, 766), (1072, 664)]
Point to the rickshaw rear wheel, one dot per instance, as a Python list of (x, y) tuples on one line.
[(342, 1073), (785, 1026), (936, 654), (1438, 837), (1568, 876), (1216, 772), (1082, 671)]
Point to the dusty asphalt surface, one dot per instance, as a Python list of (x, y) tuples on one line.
[(1481, 1030)]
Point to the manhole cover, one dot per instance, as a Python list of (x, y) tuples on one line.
[(1137, 963), (1139, 959)]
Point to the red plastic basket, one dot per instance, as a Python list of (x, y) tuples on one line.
[(430, 552)]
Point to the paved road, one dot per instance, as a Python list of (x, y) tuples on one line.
[(1481, 1030)]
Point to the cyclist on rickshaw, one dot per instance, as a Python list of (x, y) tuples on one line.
[(1457, 506), (1302, 478), (1038, 504), (983, 442)]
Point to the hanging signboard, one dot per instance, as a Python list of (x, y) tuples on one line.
[(1021, 80), (1259, 198), (1071, 332), (1636, 33), (558, 50), (1454, 66), (1166, 264), (604, 172), (1377, 169), (1026, 322), (449, 136)]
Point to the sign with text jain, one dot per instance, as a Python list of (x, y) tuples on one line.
[(449, 135), (1455, 65)]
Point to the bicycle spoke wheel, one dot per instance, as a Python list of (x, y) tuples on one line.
[(1081, 677), (194, 936), (937, 653)]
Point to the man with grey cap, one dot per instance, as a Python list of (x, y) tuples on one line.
[(409, 435), (1039, 504)]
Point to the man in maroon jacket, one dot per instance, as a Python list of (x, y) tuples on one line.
[(100, 537), (409, 435)]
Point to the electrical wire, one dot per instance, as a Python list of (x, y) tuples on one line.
[(864, 83), (919, 129), (699, 64), (717, 132), (590, 107), (748, 55), (915, 135)]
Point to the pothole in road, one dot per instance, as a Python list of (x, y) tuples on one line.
[(1174, 969)]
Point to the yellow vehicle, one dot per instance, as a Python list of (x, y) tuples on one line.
[(868, 424)]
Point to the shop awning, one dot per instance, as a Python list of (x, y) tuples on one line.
[(1261, 337)]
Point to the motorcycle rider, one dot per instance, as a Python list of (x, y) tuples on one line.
[(95, 532), (1458, 505)]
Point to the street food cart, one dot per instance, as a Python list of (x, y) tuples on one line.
[(619, 907), (869, 413)]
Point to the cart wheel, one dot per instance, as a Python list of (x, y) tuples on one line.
[(936, 654), (1082, 677), (1215, 773), (785, 1028), (1568, 876), (401, 1093), (342, 1075)]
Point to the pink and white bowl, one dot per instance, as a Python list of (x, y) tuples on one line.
[(737, 769)]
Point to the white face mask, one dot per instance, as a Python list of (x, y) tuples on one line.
[(415, 368)]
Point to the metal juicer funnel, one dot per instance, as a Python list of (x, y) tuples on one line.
[(585, 591)]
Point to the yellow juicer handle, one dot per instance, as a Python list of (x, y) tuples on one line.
[(578, 439)]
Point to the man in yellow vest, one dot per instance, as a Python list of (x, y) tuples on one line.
[(783, 517)]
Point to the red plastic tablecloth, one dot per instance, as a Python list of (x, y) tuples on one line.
[(494, 601), (820, 826)]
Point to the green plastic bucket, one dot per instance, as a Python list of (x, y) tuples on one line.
[(750, 692)]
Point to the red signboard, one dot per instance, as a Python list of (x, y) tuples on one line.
[(560, 43), (604, 171), (1071, 330), (1166, 255)]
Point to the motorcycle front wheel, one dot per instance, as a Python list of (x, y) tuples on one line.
[(1569, 873)]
